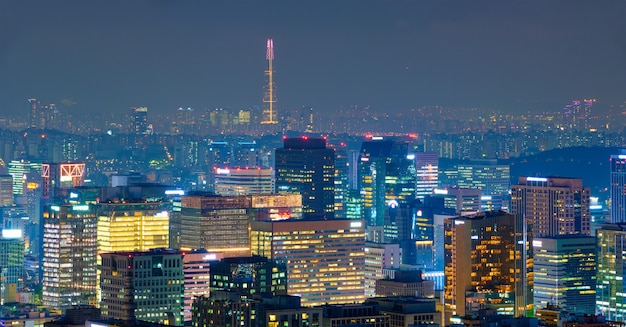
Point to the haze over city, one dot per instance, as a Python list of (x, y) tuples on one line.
[(392, 56), (312, 164)]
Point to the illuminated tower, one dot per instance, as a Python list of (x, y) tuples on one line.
[(69, 255), (618, 187), (487, 264), (306, 166), (33, 106), (269, 115), (555, 205)]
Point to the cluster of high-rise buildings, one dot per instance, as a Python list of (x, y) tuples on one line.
[(323, 231)]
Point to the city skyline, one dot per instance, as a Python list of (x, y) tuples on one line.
[(504, 55)]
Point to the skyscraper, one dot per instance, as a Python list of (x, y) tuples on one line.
[(132, 226), (610, 295), (618, 187), (269, 98), (69, 255), (243, 181), (12, 265), (386, 173), (487, 264), (427, 169), (554, 205), (325, 258), (565, 273), (305, 166), (146, 286), (6, 190)]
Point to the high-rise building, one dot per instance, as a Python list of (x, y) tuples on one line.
[(386, 173), (305, 166), (139, 121), (58, 177), (20, 169), (197, 273), (269, 98), (341, 180), (132, 226), (565, 273), (219, 224), (243, 181), (6, 190), (69, 255), (462, 200), (427, 169), (493, 179), (249, 276), (406, 283), (325, 258), (12, 265), (379, 256), (611, 270), (216, 223), (618, 187), (487, 264), (554, 205), (146, 286)]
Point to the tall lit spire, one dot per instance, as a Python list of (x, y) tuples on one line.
[(269, 114)]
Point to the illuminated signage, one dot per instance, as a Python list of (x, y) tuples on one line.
[(11, 233), (536, 179), (81, 207), (221, 171), (537, 243), (356, 224)]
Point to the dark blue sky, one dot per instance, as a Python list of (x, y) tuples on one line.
[(392, 55)]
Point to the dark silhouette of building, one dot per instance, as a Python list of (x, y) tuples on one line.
[(305, 166)]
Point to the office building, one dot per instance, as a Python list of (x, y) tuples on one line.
[(554, 205), (69, 255), (617, 187), (463, 201), (243, 181), (409, 311), (386, 173), (223, 309), (325, 258), (137, 225), (197, 273), (611, 269), (219, 224), (427, 169), (306, 166), (12, 265), (216, 223), (487, 264), (493, 179), (249, 276), (6, 190), (565, 273), (406, 283), (362, 314), (20, 170), (146, 286), (378, 257), (139, 120)]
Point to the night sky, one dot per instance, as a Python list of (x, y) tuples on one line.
[(391, 55)]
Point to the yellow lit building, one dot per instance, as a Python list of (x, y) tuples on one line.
[(219, 224), (139, 226), (487, 264), (325, 258)]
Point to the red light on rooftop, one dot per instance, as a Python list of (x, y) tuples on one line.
[(304, 137), (284, 137)]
